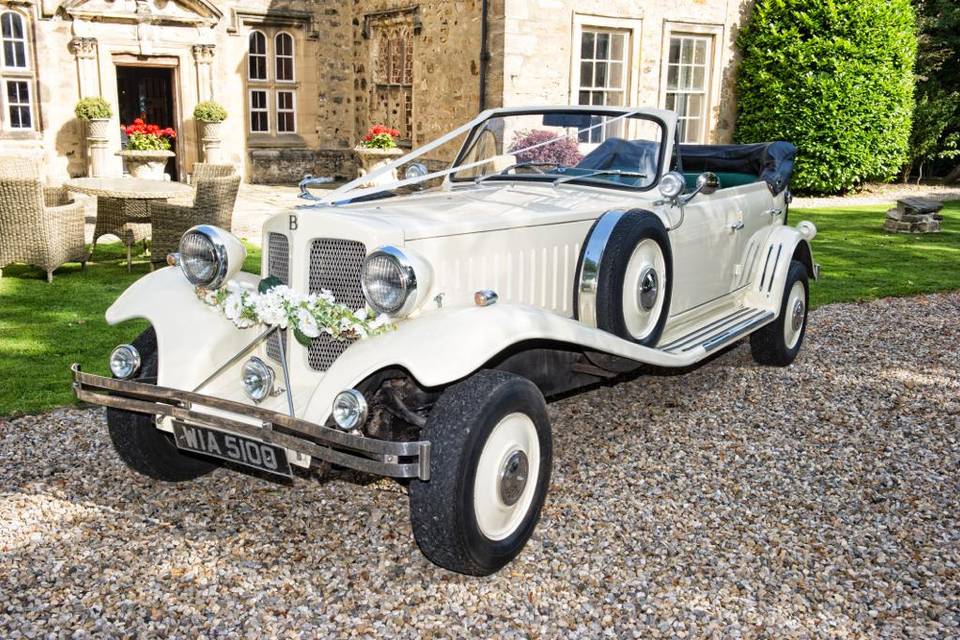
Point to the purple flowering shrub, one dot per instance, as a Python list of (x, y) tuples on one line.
[(563, 151)]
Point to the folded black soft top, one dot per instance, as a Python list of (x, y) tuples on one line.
[(771, 161)]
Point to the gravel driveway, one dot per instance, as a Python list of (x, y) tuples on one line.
[(735, 501)]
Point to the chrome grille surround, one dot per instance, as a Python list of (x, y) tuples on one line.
[(335, 266), (278, 265)]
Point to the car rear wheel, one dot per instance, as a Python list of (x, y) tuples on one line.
[(139, 443), (491, 455), (779, 342)]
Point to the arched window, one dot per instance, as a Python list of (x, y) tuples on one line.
[(16, 76), (283, 52), (14, 35), (257, 56)]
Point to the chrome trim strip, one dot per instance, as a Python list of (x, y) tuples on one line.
[(776, 263), (738, 330), (589, 270), (707, 329), (363, 454)]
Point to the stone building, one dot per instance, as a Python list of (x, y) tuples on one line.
[(303, 79)]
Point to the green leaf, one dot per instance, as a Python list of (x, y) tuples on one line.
[(301, 337), (268, 283)]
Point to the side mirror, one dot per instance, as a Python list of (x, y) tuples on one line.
[(707, 183)]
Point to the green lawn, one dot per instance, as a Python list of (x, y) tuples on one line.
[(43, 328), (861, 262)]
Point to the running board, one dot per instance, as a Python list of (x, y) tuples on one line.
[(720, 332)]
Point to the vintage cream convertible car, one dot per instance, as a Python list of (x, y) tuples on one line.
[(562, 248)]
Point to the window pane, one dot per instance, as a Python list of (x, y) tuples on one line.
[(603, 46), (671, 101), (698, 78), (19, 55), (600, 75), (684, 77), (25, 119), (258, 43), (686, 51), (700, 52), (616, 75), (6, 24), (284, 45), (284, 100), (284, 69), (8, 59), (586, 74), (674, 50), (584, 97), (695, 105), (616, 46), (586, 45), (598, 97), (258, 99), (615, 98), (673, 76), (285, 123)]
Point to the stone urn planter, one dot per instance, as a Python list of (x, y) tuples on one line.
[(98, 129), (98, 147), (146, 164), (372, 159), (211, 136)]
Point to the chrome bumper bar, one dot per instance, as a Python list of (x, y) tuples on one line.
[(379, 457)]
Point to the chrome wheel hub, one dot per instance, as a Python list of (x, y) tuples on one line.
[(513, 477), (797, 319), (649, 287)]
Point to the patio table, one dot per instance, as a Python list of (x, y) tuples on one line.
[(123, 205)]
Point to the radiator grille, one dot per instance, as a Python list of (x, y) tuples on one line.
[(278, 265), (335, 267)]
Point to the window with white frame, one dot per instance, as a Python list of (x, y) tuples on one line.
[(16, 77), (257, 57), (603, 69), (689, 62), (286, 113), (271, 82), (283, 56), (259, 111)]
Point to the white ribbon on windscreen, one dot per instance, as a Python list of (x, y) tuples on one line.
[(349, 191)]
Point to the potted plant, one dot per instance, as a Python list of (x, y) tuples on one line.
[(376, 149), (210, 115), (96, 113), (147, 150)]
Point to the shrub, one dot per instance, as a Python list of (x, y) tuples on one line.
[(93, 109), (563, 151), (836, 79), (209, 111)]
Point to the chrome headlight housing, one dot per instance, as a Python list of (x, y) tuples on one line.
[(257, 378), (209, 256), (389, 281)]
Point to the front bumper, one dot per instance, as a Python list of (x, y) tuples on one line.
[(380, 457)]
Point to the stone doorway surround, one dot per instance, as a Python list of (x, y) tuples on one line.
[(108, 34)]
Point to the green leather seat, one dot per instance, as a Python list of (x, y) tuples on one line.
[(727, 179)]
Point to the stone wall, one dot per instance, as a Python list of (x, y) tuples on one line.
[(539, 49)]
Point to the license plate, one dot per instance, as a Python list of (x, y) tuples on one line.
[(226, 446)]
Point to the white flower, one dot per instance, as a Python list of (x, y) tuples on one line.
[(361, 313), (233, 306), (307, 324)]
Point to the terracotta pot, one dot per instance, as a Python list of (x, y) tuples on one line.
[(146, 164), (373, 159)]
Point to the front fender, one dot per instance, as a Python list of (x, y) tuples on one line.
[(193, 339), (441, 347)]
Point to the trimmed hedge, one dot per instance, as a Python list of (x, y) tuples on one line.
[(835, 77)]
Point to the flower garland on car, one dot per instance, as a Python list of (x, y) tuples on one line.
[(307, 315), (380, 137), (148, 137)]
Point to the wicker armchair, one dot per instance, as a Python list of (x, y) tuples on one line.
[(212, 204), (41, 227)]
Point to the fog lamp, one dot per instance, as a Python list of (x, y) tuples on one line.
[(349, 409), (125, 361), (257, 378)]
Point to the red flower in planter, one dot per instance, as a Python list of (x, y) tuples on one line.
[(148, 137), (380, 137)]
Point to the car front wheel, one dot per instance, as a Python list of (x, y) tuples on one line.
[(135, 436), (491, 455)]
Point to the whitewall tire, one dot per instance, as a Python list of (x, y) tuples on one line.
[(779, 342)]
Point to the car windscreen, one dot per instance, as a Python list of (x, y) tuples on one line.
[(600, 148)]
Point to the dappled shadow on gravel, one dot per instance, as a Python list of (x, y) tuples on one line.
[(818, 500)]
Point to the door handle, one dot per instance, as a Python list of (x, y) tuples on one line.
[(737, 226), (774, 212)]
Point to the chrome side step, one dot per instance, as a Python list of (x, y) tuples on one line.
[(721, 332)]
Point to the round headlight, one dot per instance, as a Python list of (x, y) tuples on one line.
[(389, 281), (125, 361), (257, 379), (349, 409), (415, 170), (672, 184), (204, 256)]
